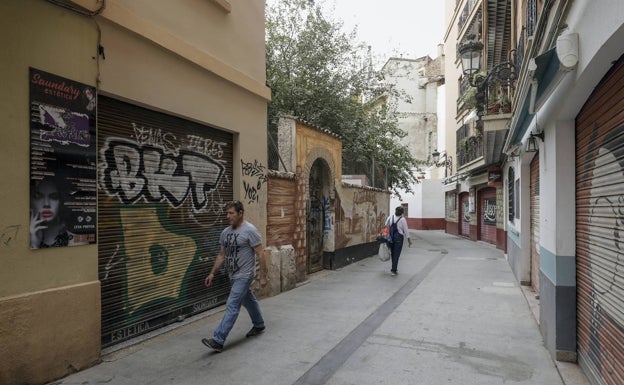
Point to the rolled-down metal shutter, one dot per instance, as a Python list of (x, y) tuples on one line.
[(535, 223), (162, 184), (487, 217), (464, 215), (600, 230)]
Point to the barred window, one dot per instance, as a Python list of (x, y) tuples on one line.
[(511, 203)]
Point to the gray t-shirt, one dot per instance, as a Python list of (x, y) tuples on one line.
[(240, 257)]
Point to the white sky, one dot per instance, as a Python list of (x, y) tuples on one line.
[(413, 28)]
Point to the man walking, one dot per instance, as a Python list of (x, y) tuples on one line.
[(240, 243)]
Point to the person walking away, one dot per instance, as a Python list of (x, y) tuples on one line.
[(398, 232), (240, 242)]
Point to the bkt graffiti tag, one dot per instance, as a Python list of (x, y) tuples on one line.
[(131, 172)]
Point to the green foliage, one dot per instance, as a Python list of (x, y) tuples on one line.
[(318, 74)]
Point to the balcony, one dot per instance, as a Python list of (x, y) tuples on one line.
[(477, 147), (469, 149), (499, 99), (469, 6), (469, 145)]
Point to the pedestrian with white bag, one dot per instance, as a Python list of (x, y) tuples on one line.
[(398, 232)]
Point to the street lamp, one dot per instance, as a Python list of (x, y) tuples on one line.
[(532, 142), (502, 73), (470, 54), (447, 162)]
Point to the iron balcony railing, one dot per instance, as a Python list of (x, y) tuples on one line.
[(465, 13), (469, 144)]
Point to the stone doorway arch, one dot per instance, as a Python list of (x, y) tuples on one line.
[(318, 176)]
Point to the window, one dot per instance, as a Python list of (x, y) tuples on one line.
[(511, 186), (517, 198), (531, 16)]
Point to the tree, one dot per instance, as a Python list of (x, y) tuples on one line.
[(317, 74)]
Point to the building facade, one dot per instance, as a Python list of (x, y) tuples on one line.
[(561, 164), (478, 108), (564, 162), (127, 126), (419, 80)]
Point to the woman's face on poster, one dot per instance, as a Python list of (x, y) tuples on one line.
[(46, 201)]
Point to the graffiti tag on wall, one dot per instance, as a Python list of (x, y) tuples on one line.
[(600, 256), (163, 182), (9, 235), (254, 176), (489, 211), (327, 225), (131, 171)]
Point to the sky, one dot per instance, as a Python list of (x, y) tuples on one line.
[(413, 28)]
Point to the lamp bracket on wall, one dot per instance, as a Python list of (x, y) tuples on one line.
[(443, 159), (532, 145), (538, 135)]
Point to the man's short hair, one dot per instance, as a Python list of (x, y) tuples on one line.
[(399, 210), (236, 205)]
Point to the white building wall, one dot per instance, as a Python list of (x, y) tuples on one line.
[(433, 206), (441, 113), (413, 201), (424, 202), (600, 31)]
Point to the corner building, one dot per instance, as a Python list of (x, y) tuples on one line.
[(150, 115), (561, 162)]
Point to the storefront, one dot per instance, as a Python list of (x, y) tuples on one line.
[(163, 182), (599, 230)]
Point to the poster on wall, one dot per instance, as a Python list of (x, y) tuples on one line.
[(62, 161)]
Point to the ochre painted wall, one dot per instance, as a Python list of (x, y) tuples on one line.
[(50, 298)]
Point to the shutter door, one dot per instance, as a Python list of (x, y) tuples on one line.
[(600, 230), (464, 217), (162, 184), (535, 223), (487, 217)]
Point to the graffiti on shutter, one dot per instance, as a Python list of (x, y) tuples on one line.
[(535, 223), (163, 182), (600, 230)]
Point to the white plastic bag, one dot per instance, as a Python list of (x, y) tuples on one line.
[(384, 252)]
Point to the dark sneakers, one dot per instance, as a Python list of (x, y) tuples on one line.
[(217, 347), (212, 344), (255, 331)]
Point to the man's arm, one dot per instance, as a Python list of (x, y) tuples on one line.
[(259, 250), (218, 263), (406, 232)]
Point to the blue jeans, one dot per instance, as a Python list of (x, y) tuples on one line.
[(240, 295), (395, 251)]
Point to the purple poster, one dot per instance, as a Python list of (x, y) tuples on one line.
[(62, 161)]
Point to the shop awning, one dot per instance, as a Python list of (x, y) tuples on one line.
[(546, 69)]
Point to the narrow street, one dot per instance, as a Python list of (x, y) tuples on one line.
[(453, 315)]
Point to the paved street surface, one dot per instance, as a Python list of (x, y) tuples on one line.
[(454, 315)]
